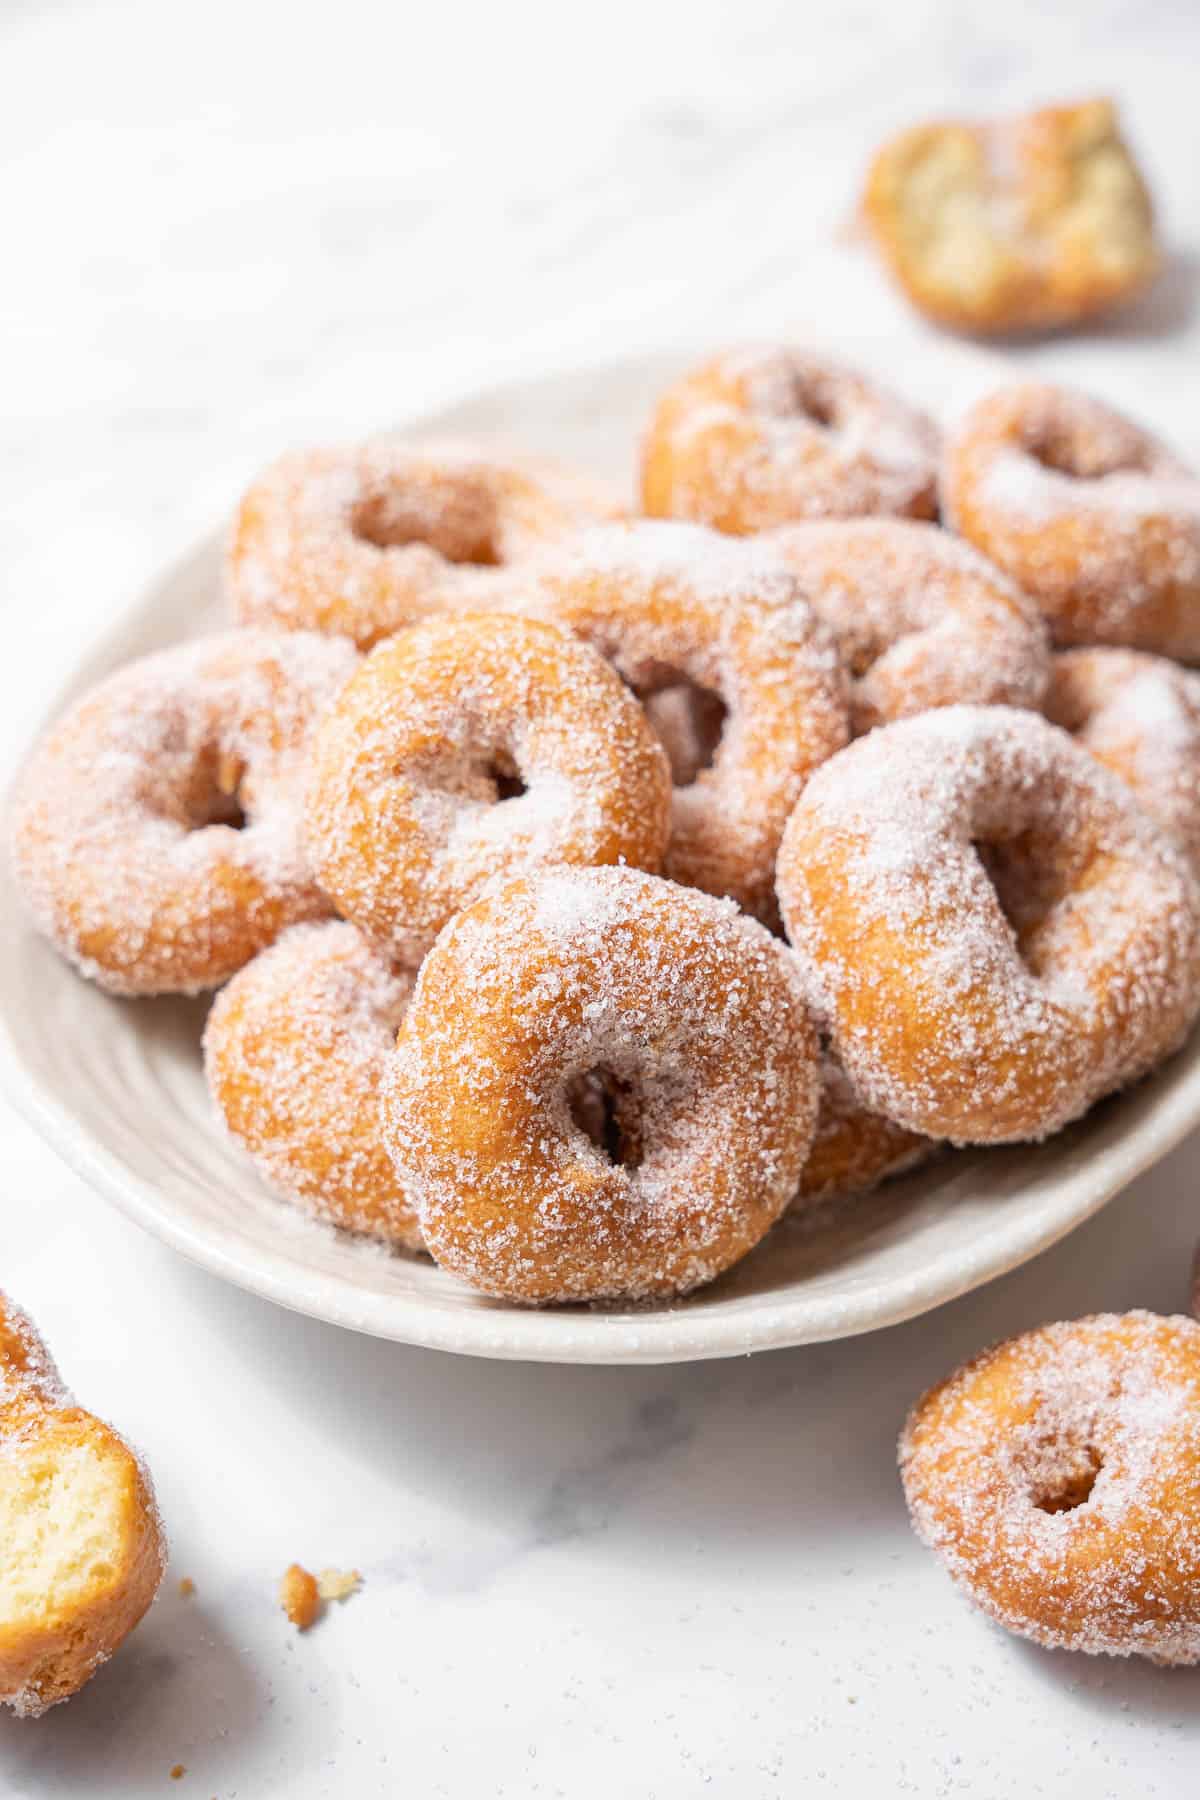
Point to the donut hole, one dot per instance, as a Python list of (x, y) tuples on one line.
[(459, 523), (216, 794), (502, 772), (1072, 1487), (604, 1107), (1084, 456), (1029, 878), (690, 722)]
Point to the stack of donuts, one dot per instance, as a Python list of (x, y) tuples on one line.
[(588, 888)]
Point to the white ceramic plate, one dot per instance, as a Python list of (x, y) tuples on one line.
[(116, 1086)]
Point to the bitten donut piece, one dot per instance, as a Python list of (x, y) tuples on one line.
[(1014, 224), (997, 933), (474, 747), (677, 606), (82, 1549), (604, 1088), (759, 437), (1090, 515), (294, 1050), (1140, 716), (854, 1149), (366, 540), (920, 618), (1058, 1477), (157, 830)]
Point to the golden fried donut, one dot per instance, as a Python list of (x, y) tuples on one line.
[(996, 932), (83, 1545), (1014, 224), (294, 1051), (1089, 514), (157, 833), (690, 1016), (365, 540), (471, 747), (671, 604), (853, 1149), (920, 618), (759, 437), (1140, 716), (1058, 1478)]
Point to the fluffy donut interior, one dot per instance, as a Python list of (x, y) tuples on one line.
[(62, 1504)]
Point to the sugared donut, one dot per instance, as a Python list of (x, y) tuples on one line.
[(158, 830), (690, 1017), (1016, 224), (294, 1051), (1095, 519), (84, 1546), (670, 604), (1058, 1477), (853, 1149), (759, 437), (1140, 716), (996, 931), (920, 618), (365, 540), (472, 747)]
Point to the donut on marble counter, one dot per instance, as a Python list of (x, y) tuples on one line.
[(1058, 1478)]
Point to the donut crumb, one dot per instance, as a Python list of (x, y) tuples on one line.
[(187, 1587), (338, 1584), (299, 1596)]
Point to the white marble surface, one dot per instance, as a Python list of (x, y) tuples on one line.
[(234, 226)]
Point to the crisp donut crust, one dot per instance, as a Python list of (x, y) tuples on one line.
[(1140, 716), (1058, 1477), (665, 602), (365, 540), (407, 817), (294, 1051), (920, 618), (1014, 224), (853, 1149), (84, 1548), (1092, 516), (123, 830), (760, 437), (690, 1013), (988, 1003)]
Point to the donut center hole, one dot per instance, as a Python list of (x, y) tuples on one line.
[(505, 777), (604, 1107), (1066, 452), (1028, 883), (216, 799), (460, 526), (1073, 1489), (690, 722)]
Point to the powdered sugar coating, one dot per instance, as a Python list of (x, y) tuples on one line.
[(123, 830), (692, 1013), (665, 601), (55, 1642), (997, 933), (1058, 1477), (854, 1149), (369, 538), (920, 618), (1140, 716), (294, 1051), (1092, 516), (760, 436), (406, 817)]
